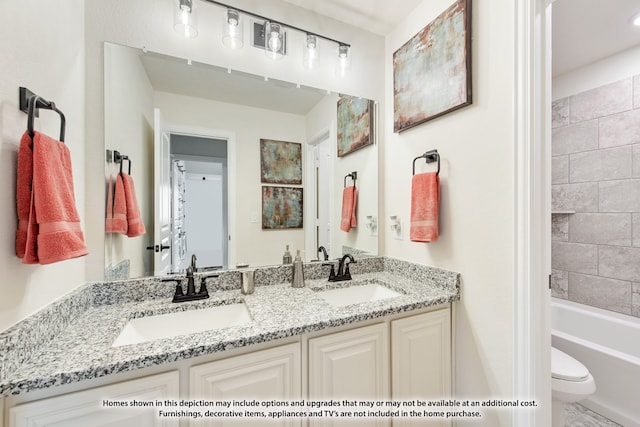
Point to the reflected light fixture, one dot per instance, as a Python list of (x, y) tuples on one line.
[(343, 67), (185, 20), (310, 53), (635, 20), (232, 36)]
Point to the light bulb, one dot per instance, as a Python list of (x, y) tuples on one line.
[(310, 54), (232, 36), (274, 39), (344, 61), (184, 21)]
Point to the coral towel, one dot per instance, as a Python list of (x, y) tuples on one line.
[(48, 222), (116, 208), (349, 199), (135, 226), (425, 203)]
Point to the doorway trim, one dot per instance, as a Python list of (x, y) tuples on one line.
[(532, 244), (230, 137)]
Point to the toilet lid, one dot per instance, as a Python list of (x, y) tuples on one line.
[(565, 367)]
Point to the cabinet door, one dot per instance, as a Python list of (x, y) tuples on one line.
[(85, 408), (273, 374), (351, 365), (421, 361)]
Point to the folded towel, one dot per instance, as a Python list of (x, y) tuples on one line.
[(51, 232), (135, 226), (425, 202), (116, 208), (23, 192), (349, 199)]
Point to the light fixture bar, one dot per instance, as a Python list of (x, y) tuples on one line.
[(264, 18)]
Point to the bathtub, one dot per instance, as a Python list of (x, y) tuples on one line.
[(608, 344)]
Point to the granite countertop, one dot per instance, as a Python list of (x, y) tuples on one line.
[(81, 349)]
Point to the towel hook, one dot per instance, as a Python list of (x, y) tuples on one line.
[(353, 175), (430, 157)]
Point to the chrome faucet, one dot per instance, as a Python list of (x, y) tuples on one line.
[(343, 269)]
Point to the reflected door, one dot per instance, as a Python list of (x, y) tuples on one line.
[(162, 193), (323, 194)]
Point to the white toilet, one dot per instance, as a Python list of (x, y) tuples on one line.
[(570, 382)]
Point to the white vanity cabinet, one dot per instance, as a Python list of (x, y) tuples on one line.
[(272, 374), (404, 358), (85, 408), (400, 357), (421, 361), (350, 365)]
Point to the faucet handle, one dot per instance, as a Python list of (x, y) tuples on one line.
[(332, 273), (347, 273), (178, 292), (203, 283)]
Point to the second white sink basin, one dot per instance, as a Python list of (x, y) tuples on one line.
[(357, 293), (169, 325)]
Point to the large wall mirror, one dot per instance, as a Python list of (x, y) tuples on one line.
[(192, 134)]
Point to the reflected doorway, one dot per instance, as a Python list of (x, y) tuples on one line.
[(199, 201)]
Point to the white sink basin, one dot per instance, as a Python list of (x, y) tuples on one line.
[(357, 293), (169, 325)]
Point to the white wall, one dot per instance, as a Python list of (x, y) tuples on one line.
[(42, 47), (129, 130), (254, 245), (608, 70), (477, 200)]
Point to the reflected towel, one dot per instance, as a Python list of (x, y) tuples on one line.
[(116, 208), (49, 229), (425, 203), (135, 226), (349, 200)]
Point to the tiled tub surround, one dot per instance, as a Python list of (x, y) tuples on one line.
[(596, 174), (70, 340)]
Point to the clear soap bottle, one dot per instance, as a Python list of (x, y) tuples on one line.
[(286, 258), (298, 272)]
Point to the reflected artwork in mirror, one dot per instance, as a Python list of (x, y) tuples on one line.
[(194, 131)]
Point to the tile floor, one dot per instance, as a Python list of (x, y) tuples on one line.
[(579, 416)]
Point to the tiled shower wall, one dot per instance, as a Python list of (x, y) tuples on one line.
[(596, 178)]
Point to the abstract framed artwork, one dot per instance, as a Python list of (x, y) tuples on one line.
[(355, 124), (280, 162), (281, 207), (432, 71)]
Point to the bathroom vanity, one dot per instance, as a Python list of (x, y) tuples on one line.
[(298, 344)]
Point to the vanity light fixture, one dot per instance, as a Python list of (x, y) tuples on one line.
[(185, 20), (310, 53), (271, 35), (232, 34)]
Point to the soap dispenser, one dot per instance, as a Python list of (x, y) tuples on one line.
[(286, 258), (298, 272)]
